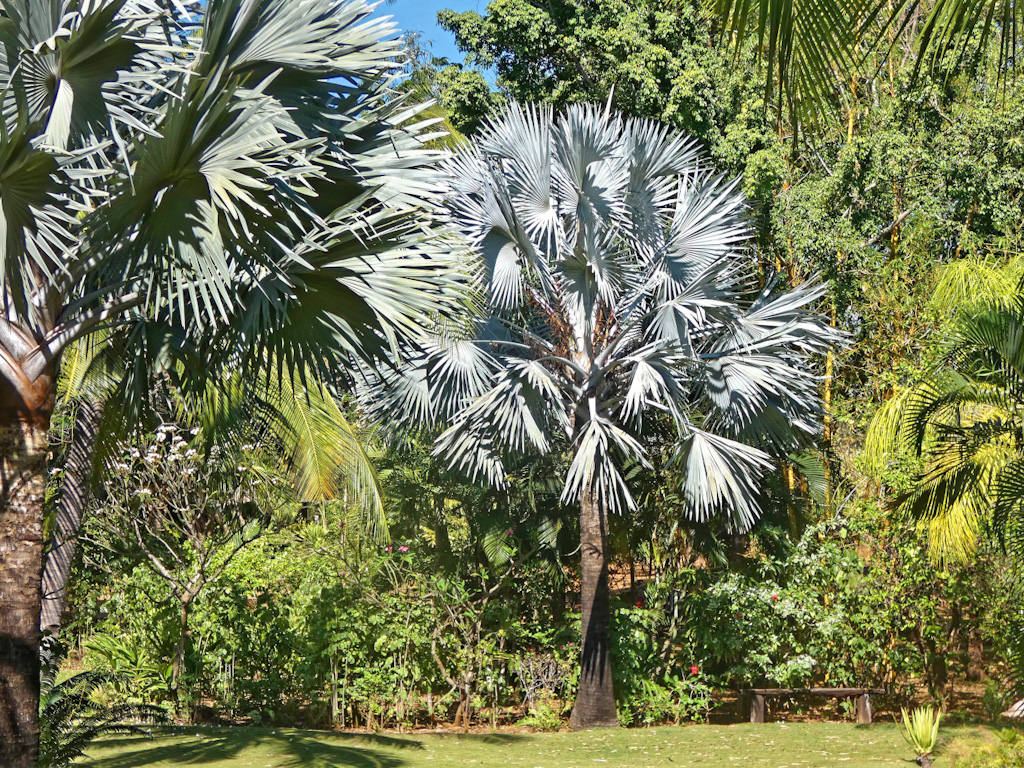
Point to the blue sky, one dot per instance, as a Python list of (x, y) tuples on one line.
[(421, 16)]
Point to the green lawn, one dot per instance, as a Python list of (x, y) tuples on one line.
[(710, 746)]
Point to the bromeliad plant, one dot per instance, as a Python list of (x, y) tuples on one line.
[(921, 732), (616, 292)]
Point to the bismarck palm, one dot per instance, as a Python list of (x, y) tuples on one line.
[(233, 171), (617, 290)]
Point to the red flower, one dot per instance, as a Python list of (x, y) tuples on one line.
[(738, 616), (775, 597), (640, 603), (694, 669)]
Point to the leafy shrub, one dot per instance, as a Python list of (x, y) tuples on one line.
[(993, 700), (71, 716), (544, 716)]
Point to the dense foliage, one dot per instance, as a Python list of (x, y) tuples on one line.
[(910, 194)]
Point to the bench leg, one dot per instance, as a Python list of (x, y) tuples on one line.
[(757, 708), (864, 709)]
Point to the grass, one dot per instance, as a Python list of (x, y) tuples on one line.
[(774, 745)]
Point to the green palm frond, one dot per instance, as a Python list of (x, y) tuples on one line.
[(967, 28), (974, 281), (965, 421), (807, 47), (327, 458)]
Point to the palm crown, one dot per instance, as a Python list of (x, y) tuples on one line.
[(611, 262), (215, 165), (964, 421)]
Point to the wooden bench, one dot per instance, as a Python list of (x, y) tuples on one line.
[(753, 699)]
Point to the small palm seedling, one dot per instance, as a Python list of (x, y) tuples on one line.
[(70, 716), (921, 730)]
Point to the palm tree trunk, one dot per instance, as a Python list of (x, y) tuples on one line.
[(70, 507), (595, 700), (24, 428)]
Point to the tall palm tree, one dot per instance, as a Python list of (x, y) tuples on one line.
[(616, 290), (965, 421), (229, 169)]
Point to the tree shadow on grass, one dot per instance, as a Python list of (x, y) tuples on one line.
[(289, 749), (489, 739)]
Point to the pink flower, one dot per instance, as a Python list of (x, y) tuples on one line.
[(694, 669), (388, 549), (508, 532), (403, 548)]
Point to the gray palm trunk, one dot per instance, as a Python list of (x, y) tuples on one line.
[(23, 436), (71, 504), (595, 700)]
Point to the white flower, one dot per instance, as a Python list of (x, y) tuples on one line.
[(161, 436), (54, 471), (144, 492)]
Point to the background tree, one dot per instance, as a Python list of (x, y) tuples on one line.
[(184, 515), (130, 181), (612, 269)]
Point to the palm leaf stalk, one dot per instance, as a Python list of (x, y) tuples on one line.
[(234, 174), (617, 291)]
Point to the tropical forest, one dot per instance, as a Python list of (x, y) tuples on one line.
[(540, 383)]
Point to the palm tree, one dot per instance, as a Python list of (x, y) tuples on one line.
[(611, 266), (235, 170), (965, 422)]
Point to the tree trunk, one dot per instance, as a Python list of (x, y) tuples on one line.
[(70, 507), (178, 665), (24, 427), (595, 700)]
